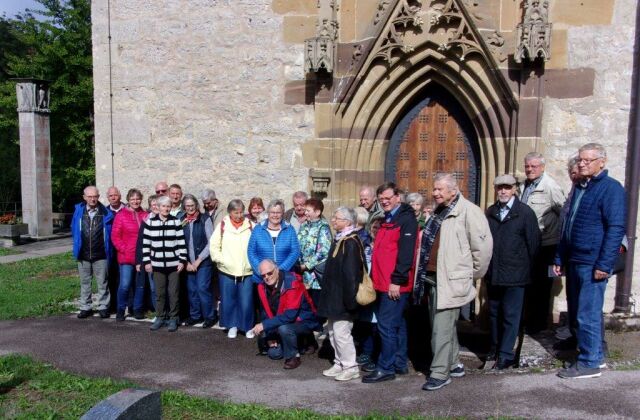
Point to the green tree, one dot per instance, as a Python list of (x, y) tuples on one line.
[(56, 46)]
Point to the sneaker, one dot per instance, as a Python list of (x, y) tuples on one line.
[(363, 359), (434, 384), (85, 313), (603, 365), (173, 325), (333, 371), (233, 332), (347, 375), (250, 334), (190, 322), (157, 324), (575, 372), (120, 316), (458, 371)]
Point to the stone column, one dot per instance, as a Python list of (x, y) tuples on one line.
[(35, 155)]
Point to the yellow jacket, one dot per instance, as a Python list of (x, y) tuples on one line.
[(228, 247)]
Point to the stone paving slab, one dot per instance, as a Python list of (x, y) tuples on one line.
[(38, 250), (207, 363)]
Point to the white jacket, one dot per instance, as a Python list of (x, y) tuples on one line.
[(228, 247), (546, 201)]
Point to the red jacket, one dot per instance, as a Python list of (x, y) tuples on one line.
[(124, 233), (394, 251)]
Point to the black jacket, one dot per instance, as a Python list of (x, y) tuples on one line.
[(516, 240), (342, 275)]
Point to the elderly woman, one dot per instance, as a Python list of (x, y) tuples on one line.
[(315, 240), (273, 239), (164, 253), (342, 275), (124, 236), (198, 228), (141, 275), (416, 201), (228, 248), (256, 210)]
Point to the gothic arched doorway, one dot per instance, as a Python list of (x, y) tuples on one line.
[(435, 135)]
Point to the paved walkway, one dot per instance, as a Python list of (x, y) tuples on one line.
[(206, 363), (39, 249)]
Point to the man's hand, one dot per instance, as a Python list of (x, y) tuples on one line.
[(190, 267), (258, 328), (557, 270), (600, 275), (180, 267), (148, 268), (394, 292)]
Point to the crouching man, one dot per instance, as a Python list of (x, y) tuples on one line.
[(287, 313)]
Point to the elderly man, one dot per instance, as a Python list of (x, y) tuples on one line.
[(113, 275), (114, 197), (287, 313), (212, 206), (454, 250), (296, 215), (91, 231), (392, 275), (591, 237), (516, 239), (368, 201), (175, 194), (161, 188), (545, 197)]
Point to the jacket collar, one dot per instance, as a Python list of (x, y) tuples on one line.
[(513, 211)]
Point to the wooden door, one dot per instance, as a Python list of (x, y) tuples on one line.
[(433, 137)]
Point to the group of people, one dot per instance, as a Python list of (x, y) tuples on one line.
[(284, 276)]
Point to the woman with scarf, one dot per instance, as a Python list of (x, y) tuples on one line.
[(198, 229), (339, 286)]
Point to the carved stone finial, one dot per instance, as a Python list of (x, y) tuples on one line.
[(33, 95), (534, 33), (319, 51)]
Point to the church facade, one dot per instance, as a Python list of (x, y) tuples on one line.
[(266, 97)]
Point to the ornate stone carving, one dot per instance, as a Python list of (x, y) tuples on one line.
[(534, 33), (406, 15), (320, 182), (319, 52), (496, 41), (33, 95), (382, 9), (462, 35)]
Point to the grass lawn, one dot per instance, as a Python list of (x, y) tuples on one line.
[(30, 389), (38, 287), (8, 251)]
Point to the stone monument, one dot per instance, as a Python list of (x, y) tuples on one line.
[(35, 155)]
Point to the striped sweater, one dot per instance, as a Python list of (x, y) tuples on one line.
[(163, 243)]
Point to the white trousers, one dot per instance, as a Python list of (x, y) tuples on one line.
[(342, 343)]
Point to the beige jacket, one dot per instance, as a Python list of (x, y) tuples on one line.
[(229, 249), (546, 201), (465, 251)]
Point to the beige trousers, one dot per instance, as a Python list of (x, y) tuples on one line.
[(342, 343)]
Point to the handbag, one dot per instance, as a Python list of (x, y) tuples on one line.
[(366, 293)]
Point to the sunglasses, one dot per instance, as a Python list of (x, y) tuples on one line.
[(269, 274), (160, 191)]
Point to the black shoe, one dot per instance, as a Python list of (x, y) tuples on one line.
[(120, 316), (369, 367), (104, 313), (85, 313), (502, 364), (403, 371), (292, 363), (173, 325), (378, 376), (208, 323), (138, 315), (491, 356), (191, 322)]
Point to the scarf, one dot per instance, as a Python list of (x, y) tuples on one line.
[(429, 234), (236, 224), (191, 218), (344, 232)]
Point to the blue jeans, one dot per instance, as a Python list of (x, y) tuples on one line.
[(505, 312), (128, 281), (392, 328), (141, 282), (287, 335), (585, 297), (200, 295), (236, 302)]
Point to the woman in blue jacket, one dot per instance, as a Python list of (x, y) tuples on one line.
[(273, 239)]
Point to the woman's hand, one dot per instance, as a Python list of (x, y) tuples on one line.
[(180, 267)]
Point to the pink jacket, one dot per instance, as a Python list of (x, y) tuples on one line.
[(124, 234)]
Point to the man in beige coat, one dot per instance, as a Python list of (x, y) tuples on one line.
[(455, 249)]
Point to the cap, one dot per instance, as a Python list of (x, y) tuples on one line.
[(505, 179)]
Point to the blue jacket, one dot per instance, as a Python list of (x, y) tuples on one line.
[(598, 226), (285, 252), (76, 227)]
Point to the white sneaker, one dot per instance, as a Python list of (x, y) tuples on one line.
[(347, 375), (250, 334), (233, 332), (333, 371)]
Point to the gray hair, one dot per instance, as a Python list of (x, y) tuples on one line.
[(572, 162), (369, 189), (270, 261), (300, 194), (347, 213), (235, 204), (415, 197), (362, 216), (276, 202), (208, 195), (89, 187), (534, 155), (602, 153), (163, 199), (448, 179), (190, 197)]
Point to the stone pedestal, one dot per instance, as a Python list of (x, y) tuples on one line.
[(35, 155)]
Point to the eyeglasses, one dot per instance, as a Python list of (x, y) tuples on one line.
[(275, 213), (338, 218), (269, 274), (383, 198), (588, 161), (160, 191)]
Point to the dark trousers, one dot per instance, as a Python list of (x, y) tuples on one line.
[(167, 289), (287, 336), (538, 293), (505, 311), (392, 328), (113, 278)]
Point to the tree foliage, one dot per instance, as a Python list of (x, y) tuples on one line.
[(52, 44)]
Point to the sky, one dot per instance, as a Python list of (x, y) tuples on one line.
[(12, 7)]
